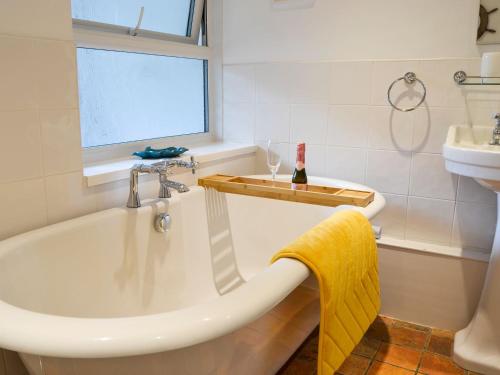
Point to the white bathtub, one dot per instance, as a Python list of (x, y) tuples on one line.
[(107, 294)]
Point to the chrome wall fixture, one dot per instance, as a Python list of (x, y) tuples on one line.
[(163, 168), (461, 78), (410, 78)]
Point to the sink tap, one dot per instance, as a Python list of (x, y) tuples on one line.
[(163, 169), (495, 139)]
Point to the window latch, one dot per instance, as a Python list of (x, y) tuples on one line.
[(133, 32)]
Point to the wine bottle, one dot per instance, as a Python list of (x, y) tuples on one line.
[(299, 178)]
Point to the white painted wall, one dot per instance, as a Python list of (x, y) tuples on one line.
[(349, 30), (429, 289)]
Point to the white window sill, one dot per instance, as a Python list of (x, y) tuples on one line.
[(118, 169)]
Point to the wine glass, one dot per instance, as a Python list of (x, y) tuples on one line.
[(273, 158)]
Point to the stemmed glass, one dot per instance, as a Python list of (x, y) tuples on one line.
[(273, 158)]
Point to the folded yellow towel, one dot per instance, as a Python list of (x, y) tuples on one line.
[(342, 253)]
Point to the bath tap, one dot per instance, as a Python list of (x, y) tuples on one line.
[(163, 169)]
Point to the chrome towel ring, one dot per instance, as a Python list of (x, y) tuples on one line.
[(409, 78)]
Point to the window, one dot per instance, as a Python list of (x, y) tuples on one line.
[(142, 69), (170, 17)]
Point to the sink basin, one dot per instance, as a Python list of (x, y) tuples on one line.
[(467, 152)]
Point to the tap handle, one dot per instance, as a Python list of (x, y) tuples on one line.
[(194, 163)]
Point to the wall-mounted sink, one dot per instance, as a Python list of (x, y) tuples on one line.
[(468, 152)]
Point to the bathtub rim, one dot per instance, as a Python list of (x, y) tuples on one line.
[(30, 332)]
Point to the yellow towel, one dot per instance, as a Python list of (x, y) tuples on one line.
[(342, 253)]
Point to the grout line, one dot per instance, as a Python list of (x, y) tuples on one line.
[(42, 161)]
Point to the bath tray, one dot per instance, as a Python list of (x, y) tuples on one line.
[(314, 194)]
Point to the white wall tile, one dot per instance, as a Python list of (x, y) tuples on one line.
[(273, 83), (442, 91), (20, 146), (62, 148), (469, 190), (42, 19), (310, 83), (431, 127), (390, 129), (351, 82), (386, 72), (240, 166), (474, 225), (114, 194), (366, 140), (56, 74), (348, 126), (429, 178), (68, 197), (388, 171), (315, 159), (479, 112), (287, 164), (239, 121), (346, 164), (17, 74), (272, 122), (429, 220), (23, 208), (392, 219), (239, 83), (309, 123)]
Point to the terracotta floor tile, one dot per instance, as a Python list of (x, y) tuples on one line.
[(354, 365), (391, 345), (367, 347), (433, 364), (407, 337), (441, 342), (379, 368), (399, 356)]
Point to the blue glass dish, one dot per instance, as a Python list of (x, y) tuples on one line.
[(152, 153)]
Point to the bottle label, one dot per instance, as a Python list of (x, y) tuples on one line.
[(301, 156)]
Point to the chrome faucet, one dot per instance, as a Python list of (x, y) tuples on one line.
[(495, 139), (163, 169)]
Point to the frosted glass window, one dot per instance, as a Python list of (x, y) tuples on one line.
[(165, 16), (127, 97)]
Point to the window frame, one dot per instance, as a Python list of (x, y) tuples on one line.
[(96, 35)]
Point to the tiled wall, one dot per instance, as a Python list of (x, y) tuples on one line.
[(41, 179), (340, 110), (39, 145)]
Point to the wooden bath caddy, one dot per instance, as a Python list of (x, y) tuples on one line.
[(313, 194)]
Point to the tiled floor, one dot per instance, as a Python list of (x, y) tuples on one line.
[(390, 347)]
